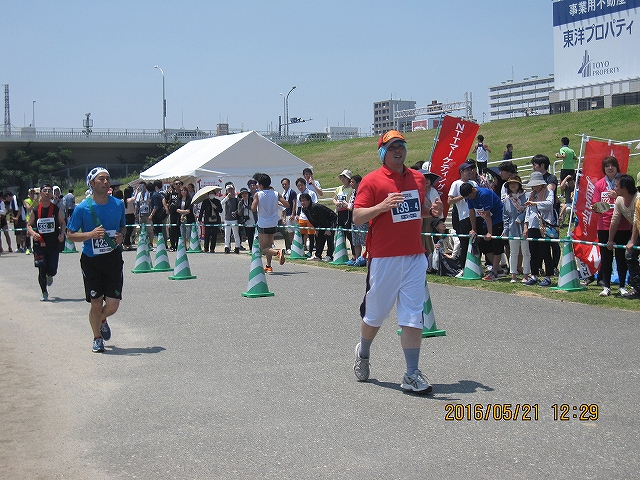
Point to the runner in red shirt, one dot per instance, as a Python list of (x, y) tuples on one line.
[(392, 200)]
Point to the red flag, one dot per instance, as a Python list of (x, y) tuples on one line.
[(587, 228), (454, 143)]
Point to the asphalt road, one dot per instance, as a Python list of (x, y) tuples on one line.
[(199, 382)]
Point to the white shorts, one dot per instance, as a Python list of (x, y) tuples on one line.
[(393, 280)]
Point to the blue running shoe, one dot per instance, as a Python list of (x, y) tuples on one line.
[(350, 263), (98, 345), (360, 262), (105, 330)]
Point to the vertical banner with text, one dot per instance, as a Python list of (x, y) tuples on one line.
[(454, 143), (587, 227)]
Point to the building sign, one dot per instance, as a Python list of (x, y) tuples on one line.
[(595, 41), (417, 125)]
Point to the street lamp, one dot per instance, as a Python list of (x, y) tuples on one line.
[(284, 114), (33, 118), (164, 106), (286, 108)]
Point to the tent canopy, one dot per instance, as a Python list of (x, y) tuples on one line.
[(232, 158)]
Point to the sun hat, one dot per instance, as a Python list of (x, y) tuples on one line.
[(535, 180), (434, 177), (514, 179), (346, 173)]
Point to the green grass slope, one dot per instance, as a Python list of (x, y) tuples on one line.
[(529, 136)]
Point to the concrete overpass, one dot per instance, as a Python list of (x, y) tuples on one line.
[(97, 146)]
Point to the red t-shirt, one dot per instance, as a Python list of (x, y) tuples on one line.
[(396, 232)]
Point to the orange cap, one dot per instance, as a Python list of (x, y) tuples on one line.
[(390, 136)]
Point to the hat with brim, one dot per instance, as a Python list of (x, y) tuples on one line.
[(513, 180), (244, 190), (430, 175), (390, 137), (465, 166), (493, 171), (346, 173), (536, 179), (436, 222)]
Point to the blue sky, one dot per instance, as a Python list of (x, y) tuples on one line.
[(227, 61)]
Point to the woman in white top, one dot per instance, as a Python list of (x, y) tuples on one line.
[(431, 194), (265, 202)]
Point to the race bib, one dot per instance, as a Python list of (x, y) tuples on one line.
[(101, 246), (46, 225), (144, 209), (409, 209)]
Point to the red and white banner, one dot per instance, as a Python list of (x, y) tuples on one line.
[(454, 143), (587, 228)]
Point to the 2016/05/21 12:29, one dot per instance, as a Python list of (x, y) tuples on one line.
[(518, 411)]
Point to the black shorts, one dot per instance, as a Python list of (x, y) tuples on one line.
[(268, 230), (46, 258), (495, 245), (102, 275)]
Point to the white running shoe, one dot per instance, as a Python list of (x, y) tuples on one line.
[(361, 366), (416, 382)]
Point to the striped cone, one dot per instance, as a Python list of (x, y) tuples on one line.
[(194, 241), (143, 261), (297, 250), (69, 246), (181, 270), (162, 259), (568, 280), (257, 286), (430, 329), (472, 268), (340, 256)]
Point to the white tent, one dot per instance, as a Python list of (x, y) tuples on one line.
[(228, 158)]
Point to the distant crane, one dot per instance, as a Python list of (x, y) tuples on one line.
[(437, 108)]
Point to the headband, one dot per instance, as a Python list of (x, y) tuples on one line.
[(94, 173)]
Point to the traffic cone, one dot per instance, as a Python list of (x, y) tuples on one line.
[(297, 250), (194, 242), (143, 261), (568, 279), (181, 270), (340, 255), (257, 286), (162, 259), (69, 246), (430, 329), (472, 268)]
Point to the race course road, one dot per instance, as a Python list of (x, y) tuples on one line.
[(200, 382)]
